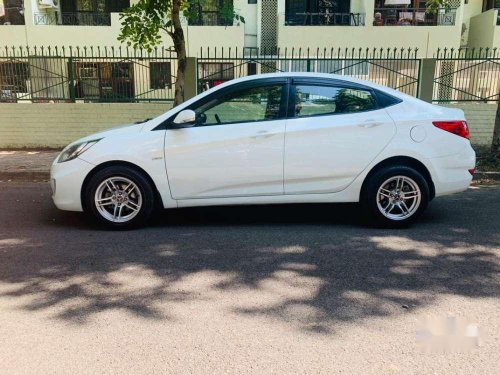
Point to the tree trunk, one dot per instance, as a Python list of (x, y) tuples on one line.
[(180, 49), (495, 144)]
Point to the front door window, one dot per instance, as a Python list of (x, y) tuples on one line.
[(249, 105)]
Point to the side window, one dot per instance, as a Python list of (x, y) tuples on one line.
[(323, 100), (249, 105)]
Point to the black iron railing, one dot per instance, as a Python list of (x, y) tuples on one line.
[(413, 17), (73, 19), (397, 68), (324, 18), (45, 74)]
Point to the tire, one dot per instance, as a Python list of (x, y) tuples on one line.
[(126, 196), (389, 206)]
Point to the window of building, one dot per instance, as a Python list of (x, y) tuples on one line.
[(91, 12), (211, 13), (490, 4), (11, 12), (248, 105), (13, 78), (328, 100), (160, 76), (252, 69), (213, 74), (104, 81)]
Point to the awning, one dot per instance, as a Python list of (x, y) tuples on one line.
[(397, 2)]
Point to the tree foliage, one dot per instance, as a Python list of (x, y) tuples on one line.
[(433, 6), (143, 21)]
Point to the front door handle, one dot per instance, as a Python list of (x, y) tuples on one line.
[(262, 134)]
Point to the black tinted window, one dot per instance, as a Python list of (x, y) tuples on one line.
[(322, 100)]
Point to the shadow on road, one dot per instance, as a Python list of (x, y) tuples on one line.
[(309, 266)]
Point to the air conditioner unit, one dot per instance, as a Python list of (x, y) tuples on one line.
[(48, 3)]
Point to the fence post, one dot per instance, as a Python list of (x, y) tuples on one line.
[(427, 71), (71, 80), (190, 78)]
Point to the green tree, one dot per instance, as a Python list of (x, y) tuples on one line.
[(434, 5), (143, 22)]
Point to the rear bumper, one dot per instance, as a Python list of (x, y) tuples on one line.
[(451, 173), (66, 180)]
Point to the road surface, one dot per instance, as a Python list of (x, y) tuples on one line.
[(288, 289)]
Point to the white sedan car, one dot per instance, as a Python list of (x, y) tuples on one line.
[(273, 138)]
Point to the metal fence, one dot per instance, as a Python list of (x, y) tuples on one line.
[(86, 75), (396, 68), (467, 75), (44, 74)]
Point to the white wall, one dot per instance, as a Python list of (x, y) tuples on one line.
[(56, 125), (482, 29)]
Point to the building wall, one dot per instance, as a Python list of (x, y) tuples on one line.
[(64, 35), (56, 125), (471, 9), (426, 38), (247, 34), (482, 30)]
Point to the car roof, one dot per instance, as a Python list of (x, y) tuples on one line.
[(313, 75)]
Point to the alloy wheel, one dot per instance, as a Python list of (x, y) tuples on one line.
[(398, 198), (118, 199)]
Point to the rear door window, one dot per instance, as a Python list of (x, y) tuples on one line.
[(317, 100)]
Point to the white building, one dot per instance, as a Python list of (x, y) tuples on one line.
[(268, 23)]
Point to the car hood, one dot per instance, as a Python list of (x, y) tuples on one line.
[(117, 130)]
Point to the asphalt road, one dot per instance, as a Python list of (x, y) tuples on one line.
[(291, 289)]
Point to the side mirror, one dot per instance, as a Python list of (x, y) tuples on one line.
[(184, 119)]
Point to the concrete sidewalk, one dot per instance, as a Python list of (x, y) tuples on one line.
[(26, 165), (34, 165)]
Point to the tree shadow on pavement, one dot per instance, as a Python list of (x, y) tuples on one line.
[(310, 266)]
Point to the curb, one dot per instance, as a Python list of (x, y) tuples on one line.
[(25, 176)]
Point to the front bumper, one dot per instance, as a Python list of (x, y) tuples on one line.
[(66, 180)]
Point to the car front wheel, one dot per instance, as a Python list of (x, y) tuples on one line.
[(119, 197), (396, 196)]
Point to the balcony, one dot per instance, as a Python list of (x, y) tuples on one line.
[(324, 18), (73, 19), (413, 17)]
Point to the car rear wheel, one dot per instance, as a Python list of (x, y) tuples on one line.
[(395, 196), (119, 197)]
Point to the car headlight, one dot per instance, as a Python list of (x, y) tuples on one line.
[(73, 151)]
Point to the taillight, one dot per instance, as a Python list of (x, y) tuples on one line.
[(459, 128)]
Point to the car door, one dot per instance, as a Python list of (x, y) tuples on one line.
[(236, 147), (333, 133)]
